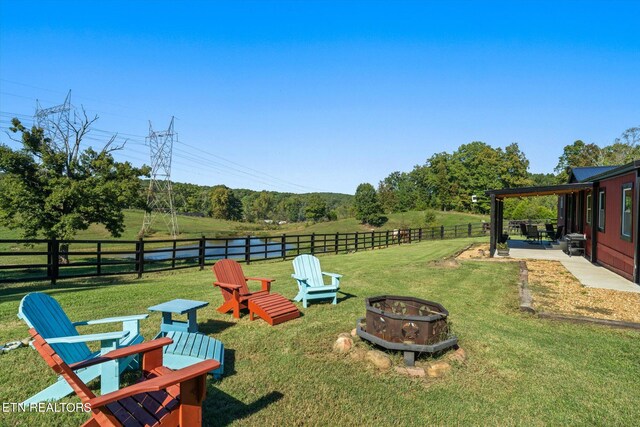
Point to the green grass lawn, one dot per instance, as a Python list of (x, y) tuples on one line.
[(520, 370)]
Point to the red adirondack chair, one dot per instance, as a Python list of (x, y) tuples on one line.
[(233, 284), (162, 398), (271, 307)]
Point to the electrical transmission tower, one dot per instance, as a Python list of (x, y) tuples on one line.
[(55, 122), (159, 196)]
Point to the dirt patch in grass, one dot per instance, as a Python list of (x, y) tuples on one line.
[(555, 290), (479, 251)]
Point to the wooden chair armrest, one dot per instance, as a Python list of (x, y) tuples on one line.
[(266, 283), (73, 339), (300, 278), (260, 279), (332, 274), (157, 383), (111, 320), (227, 285), (123, 352)]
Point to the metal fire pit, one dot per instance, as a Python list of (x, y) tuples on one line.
[(408, 324)]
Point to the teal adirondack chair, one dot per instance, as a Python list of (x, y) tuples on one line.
[(44, 314), (310, 281)]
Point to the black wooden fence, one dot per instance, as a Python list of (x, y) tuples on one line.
[(32, 260)]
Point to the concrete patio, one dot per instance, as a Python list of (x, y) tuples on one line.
[(590, 275)]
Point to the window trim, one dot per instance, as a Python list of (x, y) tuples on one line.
[(602, 209), (628, 187), (589, 209)]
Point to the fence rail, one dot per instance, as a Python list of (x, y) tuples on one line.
[(37, 259)]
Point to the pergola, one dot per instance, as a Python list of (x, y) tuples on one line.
[(498, 196)]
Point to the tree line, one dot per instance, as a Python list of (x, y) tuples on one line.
[(222, 202), (457, 181)]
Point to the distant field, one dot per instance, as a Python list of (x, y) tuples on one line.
[(191, 227)]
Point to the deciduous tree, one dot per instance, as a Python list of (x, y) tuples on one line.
[(54, 189)]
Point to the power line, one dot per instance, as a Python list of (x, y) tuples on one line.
[(237, 170)]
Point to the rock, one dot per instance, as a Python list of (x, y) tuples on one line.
[(379, 359), (411, 371), (438, 369), (357, 354), (345, 334), (354, 333), (26, 342), (457, 356), (343, 344)]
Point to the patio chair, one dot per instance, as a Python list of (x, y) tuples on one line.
[(533, 234), (523, 229), (271, 307), (551, 233), (43, 314), (310, 281), (163, 397)]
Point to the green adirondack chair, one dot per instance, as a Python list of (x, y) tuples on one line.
[(310, 281), (43, 313)]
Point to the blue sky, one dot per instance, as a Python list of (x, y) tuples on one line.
[(322, 96)]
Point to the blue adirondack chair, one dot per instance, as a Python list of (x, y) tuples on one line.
[(310, 281), (44, 314)]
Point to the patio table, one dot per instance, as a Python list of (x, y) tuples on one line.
[(179, 306)]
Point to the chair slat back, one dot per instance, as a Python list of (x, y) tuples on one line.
[(43, 313), (54, 361), (230, 271), (308, 266)]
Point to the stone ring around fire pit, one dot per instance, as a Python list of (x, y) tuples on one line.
[(408, 324)]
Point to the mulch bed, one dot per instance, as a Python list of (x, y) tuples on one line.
[(556, 290)]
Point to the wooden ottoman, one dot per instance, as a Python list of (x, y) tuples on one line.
[(189, 348), (273, 308)]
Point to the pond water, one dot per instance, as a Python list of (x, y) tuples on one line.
[(216, 250)]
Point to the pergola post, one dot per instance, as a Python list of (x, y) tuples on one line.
[(493, 217), (636, 213), (595, 212)]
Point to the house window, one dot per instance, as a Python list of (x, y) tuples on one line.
[(627, 209), (589, 209), (601, 210)]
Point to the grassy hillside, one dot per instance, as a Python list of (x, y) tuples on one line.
[(196, 227)]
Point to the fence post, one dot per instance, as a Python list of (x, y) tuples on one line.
[(386, 241), (226, 247), (313, 243), (140, 257), (99, 258), (469, 230), (203, 248), (373, 239), (442, 232), (455, 231), (409, 233), (173, 254), (433, 233), (336, 244), (54, 260), (283, 246), (247, 249), (420, 234), (357, 235)]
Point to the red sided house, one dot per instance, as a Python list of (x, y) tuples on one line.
[(603, 203)]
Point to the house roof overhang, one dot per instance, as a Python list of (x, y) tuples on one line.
[(546, 190)]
